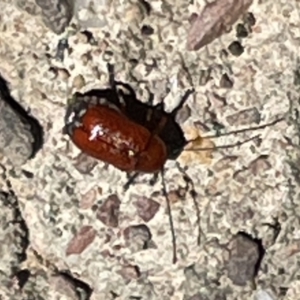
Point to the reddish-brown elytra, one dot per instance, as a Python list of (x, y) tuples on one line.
[(112, 125), (107, 134)]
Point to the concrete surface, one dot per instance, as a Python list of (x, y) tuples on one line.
[(246, 198)]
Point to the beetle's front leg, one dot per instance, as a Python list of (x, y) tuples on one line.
[(185, 97), (111, 76)]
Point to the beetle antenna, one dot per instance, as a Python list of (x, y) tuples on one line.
[(193, 194), (245, 129), (224, 146), (170, 217), (182, 101), (234, 132)]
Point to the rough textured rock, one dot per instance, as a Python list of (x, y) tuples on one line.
[(252, 187), (56, 13), (215, 18), (17, 140), (14, 243), (245, 256)]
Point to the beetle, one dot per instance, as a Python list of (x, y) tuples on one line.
[(104, 132), (112, 125)]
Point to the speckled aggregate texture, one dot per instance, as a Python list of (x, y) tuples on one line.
[(16, 140), (78, 216), (14, 240)]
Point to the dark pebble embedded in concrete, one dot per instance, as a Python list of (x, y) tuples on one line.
[(241, 31), (226, 82), (245, 256), (138, 237), (249, 19), (147, 30), (235, 48)]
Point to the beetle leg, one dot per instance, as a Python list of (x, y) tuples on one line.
[(191, 187), (126, 90), (118, 96), (170, 217), (111, 76), (131, 178), (182, 101), (150, 101), (160, 106), (154, 179)]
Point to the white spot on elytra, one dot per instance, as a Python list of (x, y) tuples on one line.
[(96, 131), (70, 118)]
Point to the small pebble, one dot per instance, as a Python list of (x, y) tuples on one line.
[(169, 48), (20, 135), (204, 76), (63, 74), (82, 38), (137, 237), (241, 31), (245, 255), (235, 48), (146, 208), (62, 46), (244, 117), (107, 55), (85, 59), (96, 72), (147, 30), (56, 15), (130, 272), (249, 19), (226, 82), (78, 82)]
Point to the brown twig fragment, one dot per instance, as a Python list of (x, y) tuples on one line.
[(214, 20)]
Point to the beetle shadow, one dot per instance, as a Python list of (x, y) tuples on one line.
[(35, 126)]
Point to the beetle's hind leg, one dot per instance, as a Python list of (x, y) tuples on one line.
[(130, 180)]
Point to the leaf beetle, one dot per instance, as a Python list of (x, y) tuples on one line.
[(112, 125)]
